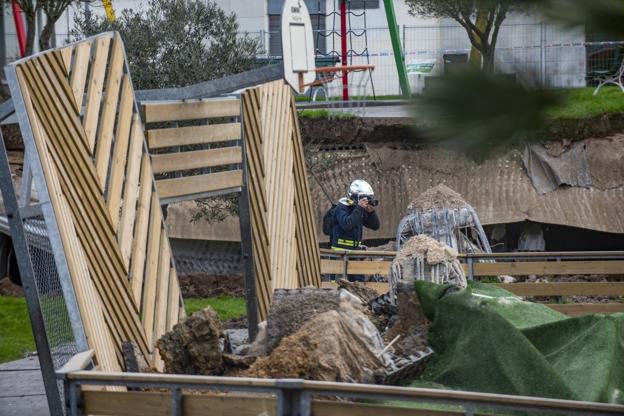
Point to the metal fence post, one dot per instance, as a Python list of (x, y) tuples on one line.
[(291, 400), (470, 261), (247, 238), (29, 284)]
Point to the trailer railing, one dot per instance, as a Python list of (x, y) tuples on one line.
[(480, 265)]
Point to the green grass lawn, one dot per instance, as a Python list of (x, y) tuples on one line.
[(580, 103), (15, 333), (227, 307), (16, 336)]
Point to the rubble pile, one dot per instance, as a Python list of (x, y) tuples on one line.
[(310, 333), (338, 345), (193, 346), (440, 196), (423, 258)]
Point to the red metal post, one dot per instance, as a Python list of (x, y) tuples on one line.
[(19, 27), (343, 49)]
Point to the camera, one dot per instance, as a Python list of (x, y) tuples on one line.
[(371, 200)]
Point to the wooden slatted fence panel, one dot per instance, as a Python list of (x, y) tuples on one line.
[(285, 245), (99, 178)]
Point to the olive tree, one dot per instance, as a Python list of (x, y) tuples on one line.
[(175, 43), (481, 19)]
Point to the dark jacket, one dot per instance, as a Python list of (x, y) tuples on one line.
[(350, 219)]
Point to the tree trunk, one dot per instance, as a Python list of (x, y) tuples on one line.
[(488, 58), (30, 33), (46, 34), (481, 22)]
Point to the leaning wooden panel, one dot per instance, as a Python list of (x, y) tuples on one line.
[(101, 202)]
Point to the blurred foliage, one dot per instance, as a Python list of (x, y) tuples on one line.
[(478, 112), (175, 42), (216, 209)]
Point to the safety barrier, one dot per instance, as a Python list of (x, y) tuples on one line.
[(170, 395), (344, 263)]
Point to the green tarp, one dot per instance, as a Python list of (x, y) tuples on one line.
[(486, 339)]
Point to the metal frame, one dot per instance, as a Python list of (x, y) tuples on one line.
[(246, 233), (27, 274), (294, 396)]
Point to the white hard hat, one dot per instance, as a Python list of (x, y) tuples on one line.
[(360, 187)]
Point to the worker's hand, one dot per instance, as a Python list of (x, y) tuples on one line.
[(370, 208), (363, 202)]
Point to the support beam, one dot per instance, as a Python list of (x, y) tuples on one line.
[(399, 58)]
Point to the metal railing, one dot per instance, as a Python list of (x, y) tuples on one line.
[(562, 258)]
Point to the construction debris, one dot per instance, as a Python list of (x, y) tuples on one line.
[(423, 258), (363, 292), (338, 345), (292, 308), (411, 324), (192, 346), (440, 196), (443, 215)]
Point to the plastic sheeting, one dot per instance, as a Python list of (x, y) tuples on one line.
[(486, 339)]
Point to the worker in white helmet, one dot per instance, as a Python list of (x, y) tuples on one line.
[(351, 215)]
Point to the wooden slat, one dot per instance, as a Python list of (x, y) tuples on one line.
[(118, 163), (190, 110), (173, 301), (151, 270), (171, 162), (94, 89), (565, 288), (80, 67), (356, 267), (190, 185), (577, 309), (131, 187), (109, 111), (159, 404), (67, 53), (184, 136), (139, 241), (162, 290), (549, 267)]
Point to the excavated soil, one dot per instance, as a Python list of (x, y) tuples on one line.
[(192, 346), (426, 247), (333, 346), (411, 326), (291, 309), (440, 196), (204, 285)]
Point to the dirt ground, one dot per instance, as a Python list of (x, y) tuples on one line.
[(204, 285), (7, 288)]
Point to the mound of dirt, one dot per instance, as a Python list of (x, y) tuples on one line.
[(192, 346), (203, 285), (339, 345), (411, 325), (292, 308), (427, 248), (440, 196), (363, 292)]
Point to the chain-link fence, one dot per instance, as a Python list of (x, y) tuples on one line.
[(537, 53), (56, 319)]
